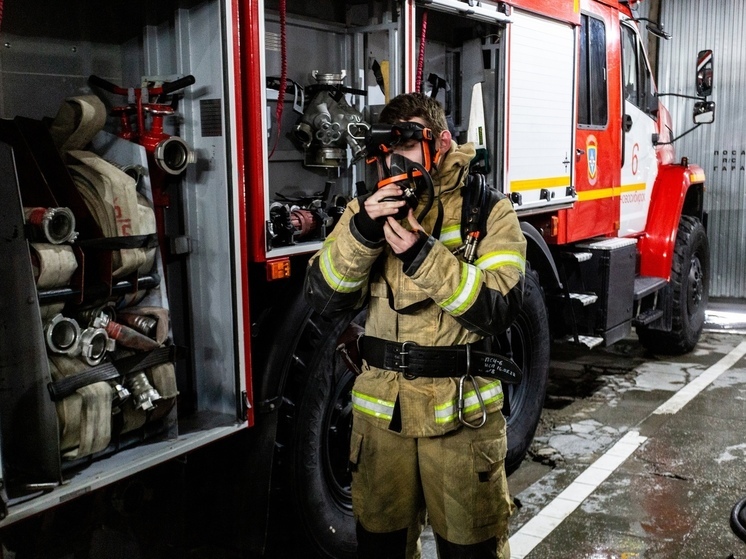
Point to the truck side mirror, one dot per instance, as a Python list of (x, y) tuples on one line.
[(704, 73), (704, 112)]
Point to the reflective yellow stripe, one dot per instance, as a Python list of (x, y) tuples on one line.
[(372, 406), (466, 292), (535, 184), (493, 260), (337, 281), (587, 195), (633, 187), (492, 392), (451, 236)]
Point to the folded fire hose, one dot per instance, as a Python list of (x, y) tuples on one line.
[(97, 400)]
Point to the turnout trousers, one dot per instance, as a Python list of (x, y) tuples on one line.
[(457, 480)]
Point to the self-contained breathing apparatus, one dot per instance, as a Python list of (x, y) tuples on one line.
[(413, 178)]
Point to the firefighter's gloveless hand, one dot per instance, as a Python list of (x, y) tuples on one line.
[(399, 238), (378, 208)]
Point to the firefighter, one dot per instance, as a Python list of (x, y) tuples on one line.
[(428, 434)]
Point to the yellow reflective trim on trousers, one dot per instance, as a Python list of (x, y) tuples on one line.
[(492, 392), (493, 260), (372, 406), (337, 281), (451, 236), (466, 291)]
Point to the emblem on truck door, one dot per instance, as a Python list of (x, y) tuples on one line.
[(592, 153)]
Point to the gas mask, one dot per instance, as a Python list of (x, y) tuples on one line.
[(393, 168)]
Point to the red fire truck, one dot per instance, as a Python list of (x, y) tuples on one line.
[(167, 169)]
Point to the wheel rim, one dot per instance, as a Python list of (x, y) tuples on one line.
[(337, 429), (696, 287)]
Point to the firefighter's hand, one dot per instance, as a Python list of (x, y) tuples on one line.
[(378, 207), (399, 238), (374, 209)]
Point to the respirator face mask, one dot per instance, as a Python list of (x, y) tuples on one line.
[(394, 168)]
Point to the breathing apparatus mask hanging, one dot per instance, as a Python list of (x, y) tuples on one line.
[(394, 168)]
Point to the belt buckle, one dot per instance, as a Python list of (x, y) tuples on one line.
[(404, 365)]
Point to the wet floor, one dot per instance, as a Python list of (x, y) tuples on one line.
[(637, 456)]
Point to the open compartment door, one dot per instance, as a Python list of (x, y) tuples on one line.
[(541, 74)]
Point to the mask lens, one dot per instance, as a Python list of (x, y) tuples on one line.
[(399, 165)]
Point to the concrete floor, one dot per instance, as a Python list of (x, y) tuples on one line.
[(637, 456)]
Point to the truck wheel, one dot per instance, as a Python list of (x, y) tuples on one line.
[(318, 398), (530, 343), (688, 292)]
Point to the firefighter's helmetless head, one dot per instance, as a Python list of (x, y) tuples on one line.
[(420, 118), (407, 144)]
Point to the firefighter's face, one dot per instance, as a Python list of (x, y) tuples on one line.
[(412, 149)]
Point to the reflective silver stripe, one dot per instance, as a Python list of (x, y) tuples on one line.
[(492, 392), (451, 236), (466, 291), (337, 281), (502, 258), (372, 406)]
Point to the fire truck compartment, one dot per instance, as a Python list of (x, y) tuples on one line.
[(193, 278)]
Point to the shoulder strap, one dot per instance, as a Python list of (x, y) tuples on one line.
[(479, 199)]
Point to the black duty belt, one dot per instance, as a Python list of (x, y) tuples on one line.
[(414, 360)]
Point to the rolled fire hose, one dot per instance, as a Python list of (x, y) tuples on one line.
[(118, 208), (113, 200), (85, 416), (52, 265), (78, 120)]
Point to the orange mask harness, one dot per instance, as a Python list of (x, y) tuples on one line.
[(412, 177)]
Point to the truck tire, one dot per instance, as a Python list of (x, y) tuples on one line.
[(530, 344), (315, 468), (687, 292)]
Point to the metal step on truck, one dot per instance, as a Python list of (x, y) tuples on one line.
[(168, 168)]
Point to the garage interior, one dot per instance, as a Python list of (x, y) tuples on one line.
[(637, 455)]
